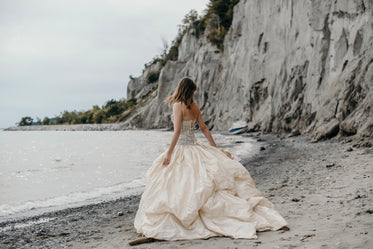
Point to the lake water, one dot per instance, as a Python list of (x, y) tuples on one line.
[(49, 170)]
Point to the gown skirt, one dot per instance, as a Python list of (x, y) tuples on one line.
[(202, 193)]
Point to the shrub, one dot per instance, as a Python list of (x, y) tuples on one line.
[(216, 36), (99, 117), (110, 102), (152, 77)]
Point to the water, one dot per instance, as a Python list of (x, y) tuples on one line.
[(48, 170)]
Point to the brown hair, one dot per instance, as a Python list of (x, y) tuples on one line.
[(183, 93)]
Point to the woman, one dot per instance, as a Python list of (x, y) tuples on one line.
[(195, 190)]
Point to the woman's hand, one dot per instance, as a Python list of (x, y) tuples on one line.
[(166, 159), (177, 129)]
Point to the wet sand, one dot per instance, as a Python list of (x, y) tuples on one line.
[(324, 190)]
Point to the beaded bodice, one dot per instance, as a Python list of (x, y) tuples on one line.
[(186, 134)]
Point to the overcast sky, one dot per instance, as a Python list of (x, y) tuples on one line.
[(58, 55)]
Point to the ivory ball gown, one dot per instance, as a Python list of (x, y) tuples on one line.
[(202, 193)]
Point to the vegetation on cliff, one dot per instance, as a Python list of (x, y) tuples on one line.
[(111, 111), (216, 20)]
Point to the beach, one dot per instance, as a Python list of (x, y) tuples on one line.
[(324, 190)]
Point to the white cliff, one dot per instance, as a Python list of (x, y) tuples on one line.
[(293, 66)]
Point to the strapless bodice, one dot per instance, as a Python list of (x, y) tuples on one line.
[(187, 134)]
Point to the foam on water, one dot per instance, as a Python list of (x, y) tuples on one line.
[(100, 193), (25, 224)]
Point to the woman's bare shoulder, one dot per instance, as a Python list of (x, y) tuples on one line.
[(177, 105), (195, 105)]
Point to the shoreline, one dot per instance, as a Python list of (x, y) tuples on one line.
[(322, 189), (100, 193), (75, 127)]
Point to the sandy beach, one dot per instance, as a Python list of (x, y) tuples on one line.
[(324, 190)]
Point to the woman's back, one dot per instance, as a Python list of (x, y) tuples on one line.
[(189, 114)]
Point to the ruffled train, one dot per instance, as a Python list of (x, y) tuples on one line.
[(202, 193)]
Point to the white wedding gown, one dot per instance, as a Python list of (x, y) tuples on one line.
[(202, 193)]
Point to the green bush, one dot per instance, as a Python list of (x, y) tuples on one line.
[(220, 12), (110, 102), (223, 9), (99, 117), (216, 36), (152, 77), (111, 111)]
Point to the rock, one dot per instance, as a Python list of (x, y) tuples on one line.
[(294, 133), (347, 141), (347, 130), (286, 66), (307, 236), (359, 196), (262, 148), (326, 131), (252, 127), (139, 87), (120, 213), (365, 144)]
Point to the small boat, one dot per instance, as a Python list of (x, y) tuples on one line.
[(238, 127)]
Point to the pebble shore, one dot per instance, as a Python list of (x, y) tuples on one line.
[(324, 190), (76, 127)]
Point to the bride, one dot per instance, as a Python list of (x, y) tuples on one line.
[(196, 191)]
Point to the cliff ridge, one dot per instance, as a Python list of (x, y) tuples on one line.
[(299, 67)]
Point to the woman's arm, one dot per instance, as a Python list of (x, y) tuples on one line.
[(178, 115), (204, 129)]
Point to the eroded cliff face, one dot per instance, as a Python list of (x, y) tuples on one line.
[(288, 66)]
